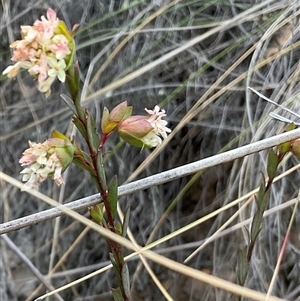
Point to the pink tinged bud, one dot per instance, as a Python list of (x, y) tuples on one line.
[(12, 71), (47, 26), (111, 120), (137, 126), (60, 46), (75, 29), (22, 54), (45, 86), (40, 68), (58, 177), (120, 112), (28, 34), (144, 131), (135, 130), (295, 147), (51, 15)]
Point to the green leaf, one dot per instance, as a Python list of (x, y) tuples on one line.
[(112, 196), (262, 198), (256, 226), (284, 147), (57, 134), (126, 280), (260, 193), (290, 127), (117, 295), (242, 266), (73, 84), (80, 162), (69, 103), (100, 170), (80, 127), (262, 202), (272, 166), (93, 137), (96, 212), (126, 222), (116, 267), (80, 110), (118, 228), (265, 202)]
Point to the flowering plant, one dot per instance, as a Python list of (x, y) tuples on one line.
[(47, 51), (46, 160), (138, 130)]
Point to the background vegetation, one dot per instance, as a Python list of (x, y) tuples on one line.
[(196, 59)]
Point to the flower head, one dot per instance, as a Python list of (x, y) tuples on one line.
[(46, 160), (157, 123), (46, 50), (144, 131)]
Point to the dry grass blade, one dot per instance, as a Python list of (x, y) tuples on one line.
[(133, 75), (159, 178), (61, 260), (34, 270), (196, 110), (195, 59), (198, 275), (283, 248)]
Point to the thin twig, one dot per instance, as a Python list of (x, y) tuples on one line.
[(153, 180)]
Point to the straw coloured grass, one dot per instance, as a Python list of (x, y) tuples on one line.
[(195, 194)]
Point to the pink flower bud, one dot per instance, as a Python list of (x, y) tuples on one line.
[(134, 129), (111, 120), (295, 147), (144, 131)]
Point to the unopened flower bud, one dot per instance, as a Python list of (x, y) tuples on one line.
[(96, 212), (295, 147), (144, 131), (134, 130), (111, 120)]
